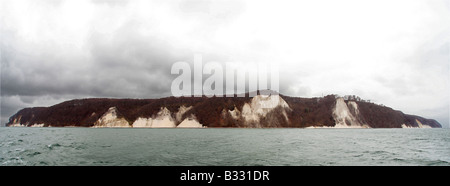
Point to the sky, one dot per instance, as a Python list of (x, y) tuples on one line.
[(392, 52)]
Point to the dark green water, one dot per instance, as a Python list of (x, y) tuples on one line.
[(106, 146)]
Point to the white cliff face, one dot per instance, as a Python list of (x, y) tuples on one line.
[(261, 105), (352, 105), (249, 114), (110, 119), (142, 123), (38, 125), (235, 113), (343, 117), (419, 125), (163, 119), (190, 122), (422, 125), (257, 109), (17, 125), (181, 111)]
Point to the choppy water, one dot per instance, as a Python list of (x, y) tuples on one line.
[(103, 146)]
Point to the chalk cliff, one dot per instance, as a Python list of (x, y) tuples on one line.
[(198, 112)]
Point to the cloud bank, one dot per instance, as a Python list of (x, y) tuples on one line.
[(391, 52)]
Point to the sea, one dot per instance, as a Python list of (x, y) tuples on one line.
[(21, 146)]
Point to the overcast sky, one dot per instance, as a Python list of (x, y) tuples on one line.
[(392, 52)]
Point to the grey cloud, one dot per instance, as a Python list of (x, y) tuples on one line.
[(126, 63), (130, 63), (134, 59)]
